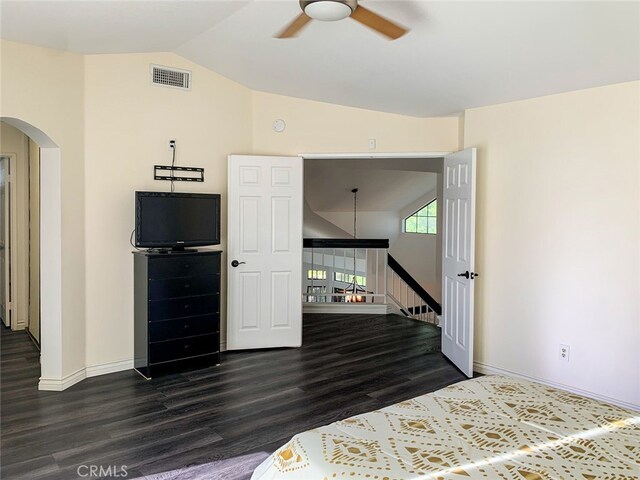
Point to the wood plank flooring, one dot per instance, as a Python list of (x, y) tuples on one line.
[(254, 402)]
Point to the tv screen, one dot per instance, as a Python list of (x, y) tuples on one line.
[(177, 220)]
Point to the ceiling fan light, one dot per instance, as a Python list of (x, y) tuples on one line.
[(327, 10)]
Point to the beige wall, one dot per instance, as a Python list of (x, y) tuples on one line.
[(558, 238), (13, 141), (34, 240), (315, 127), (46, 89), (129, 123)]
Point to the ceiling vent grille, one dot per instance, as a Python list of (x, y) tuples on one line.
[(171, 77)]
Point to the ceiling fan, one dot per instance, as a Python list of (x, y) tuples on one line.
[(333, 10)]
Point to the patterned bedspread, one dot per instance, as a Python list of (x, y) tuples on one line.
[(491, 427)]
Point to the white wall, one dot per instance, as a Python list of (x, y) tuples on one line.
[(418, 253), (370, 224), (558, 238), (315, 226)]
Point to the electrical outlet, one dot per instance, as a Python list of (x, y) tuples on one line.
[(564, 352), (172, 143), (372, 144)]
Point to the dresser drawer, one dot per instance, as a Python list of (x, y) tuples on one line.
[(191, 363), (186, 266), (183, 348), (165, 288), (183, 327), (183, 307)]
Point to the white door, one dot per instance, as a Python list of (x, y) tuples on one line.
[(458, 257), (4, 240), (264, 252)]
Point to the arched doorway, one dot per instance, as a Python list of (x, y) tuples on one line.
[(50, 255)]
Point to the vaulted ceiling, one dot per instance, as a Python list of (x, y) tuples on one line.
[(457, 55), (384, 185)]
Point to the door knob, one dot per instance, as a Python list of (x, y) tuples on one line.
[(235, 263), (468, 275)]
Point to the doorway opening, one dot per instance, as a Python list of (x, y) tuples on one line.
[(40, 282), (359, 255), (20, 232)]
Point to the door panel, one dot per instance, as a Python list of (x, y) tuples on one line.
[(265, 237), (458, 258), (250, 289)]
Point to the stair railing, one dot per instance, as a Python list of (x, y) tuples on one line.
[(408, 295)]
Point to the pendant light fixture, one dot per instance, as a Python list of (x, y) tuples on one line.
[(354, 287)]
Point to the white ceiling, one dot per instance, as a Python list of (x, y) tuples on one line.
[(381, 187), (458, 55)]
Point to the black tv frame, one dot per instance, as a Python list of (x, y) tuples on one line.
[(181, 245)]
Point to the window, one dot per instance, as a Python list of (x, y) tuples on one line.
[(318, 298), (316, 274), (348, 278), (424, 220)]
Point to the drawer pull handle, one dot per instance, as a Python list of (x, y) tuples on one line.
[(186, 265), (186, 347), (186, 326), (186, 306), (186, 285)]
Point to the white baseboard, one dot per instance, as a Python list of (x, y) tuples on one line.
[(490, 370), (111, 367), (57, 385), (371, 308)]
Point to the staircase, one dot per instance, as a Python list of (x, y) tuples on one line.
[(384, 286)]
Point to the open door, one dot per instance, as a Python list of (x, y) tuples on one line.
[(5, 241), (264, 252), (458, 257)]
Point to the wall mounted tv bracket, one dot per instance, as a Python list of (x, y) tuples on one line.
[(163, 172)]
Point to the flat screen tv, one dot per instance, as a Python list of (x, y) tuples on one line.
[(177, 220)]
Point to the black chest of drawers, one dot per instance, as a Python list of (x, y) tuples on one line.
[(176, 311)]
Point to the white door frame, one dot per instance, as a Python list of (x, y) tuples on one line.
[(50, 255), (12, 291), (377, 156)]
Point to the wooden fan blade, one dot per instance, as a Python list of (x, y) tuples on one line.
[(378, 23), (294, 27)]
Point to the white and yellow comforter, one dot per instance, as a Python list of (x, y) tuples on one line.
[(492, 427)]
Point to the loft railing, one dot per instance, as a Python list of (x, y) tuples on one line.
[(362, 271), (408, 295), (344, 270)]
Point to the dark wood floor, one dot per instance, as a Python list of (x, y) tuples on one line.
[(254, 402)]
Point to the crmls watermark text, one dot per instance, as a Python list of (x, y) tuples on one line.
[(100, 471)]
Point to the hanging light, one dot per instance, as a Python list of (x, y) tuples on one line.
[(353, 286)]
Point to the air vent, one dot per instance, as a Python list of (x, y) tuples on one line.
[(171, 77)]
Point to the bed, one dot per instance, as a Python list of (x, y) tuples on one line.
[(492, 427)]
